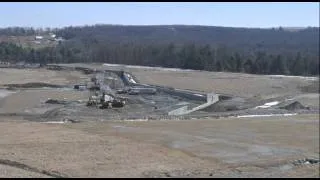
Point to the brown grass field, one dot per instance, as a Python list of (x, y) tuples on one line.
[(224, 147)]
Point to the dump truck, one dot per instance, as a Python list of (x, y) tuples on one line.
[(110, 101)]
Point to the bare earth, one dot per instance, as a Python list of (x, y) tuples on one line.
[(17, 76), (220, 148), (224, 147)]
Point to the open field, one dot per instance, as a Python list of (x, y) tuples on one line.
[(244, 85), (106, 143), (20, 76), (204, 148), (27, 41)]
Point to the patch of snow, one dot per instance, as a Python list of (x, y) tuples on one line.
[(266, 115), (55, 122), (198, 95), (4, 93), (39, 37), (133, 120), (290, 99), (182, 103), (267, 105), (130, 78), (301, 77), (147, 67), (105, 64), (290, 114), (111, 78), (133, 81), (119, 126)]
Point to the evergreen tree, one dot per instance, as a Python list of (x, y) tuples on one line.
[(239, 63), (298, 65)]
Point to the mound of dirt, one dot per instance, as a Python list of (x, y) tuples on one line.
[(220, 107), (294, 106), (84, 70), (227, 104), (134, 101), (54, 101)]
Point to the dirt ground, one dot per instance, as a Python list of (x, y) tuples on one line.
[(203, 148), (21, 76), (207, 147), (26, 100), (237, 84)]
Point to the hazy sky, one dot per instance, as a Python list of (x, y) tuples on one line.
[(253, 14)]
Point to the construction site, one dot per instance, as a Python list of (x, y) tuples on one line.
[(121, 96), (224, 124), (113, 93)]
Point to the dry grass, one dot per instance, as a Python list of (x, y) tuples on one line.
[(129, 149), (21, 76), (82, 154), (226, 83), (28, 99), (118, 149)]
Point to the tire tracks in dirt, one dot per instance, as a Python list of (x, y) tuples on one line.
[(32, 169)]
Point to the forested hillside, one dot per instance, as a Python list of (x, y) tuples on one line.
[(259, 51)]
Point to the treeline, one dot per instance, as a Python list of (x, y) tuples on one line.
[(276, 40), (258, 51), (187, 56)]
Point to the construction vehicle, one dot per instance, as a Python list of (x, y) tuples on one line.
[(110, 101), (101, 95), (106, 101), (93, 101)]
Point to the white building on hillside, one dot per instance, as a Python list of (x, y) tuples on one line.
[(39, 37), (52, 35)]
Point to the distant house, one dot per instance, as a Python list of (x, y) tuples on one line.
[(39, 37), (4, 64), (59, 39), (52, 35), (1, 62)]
